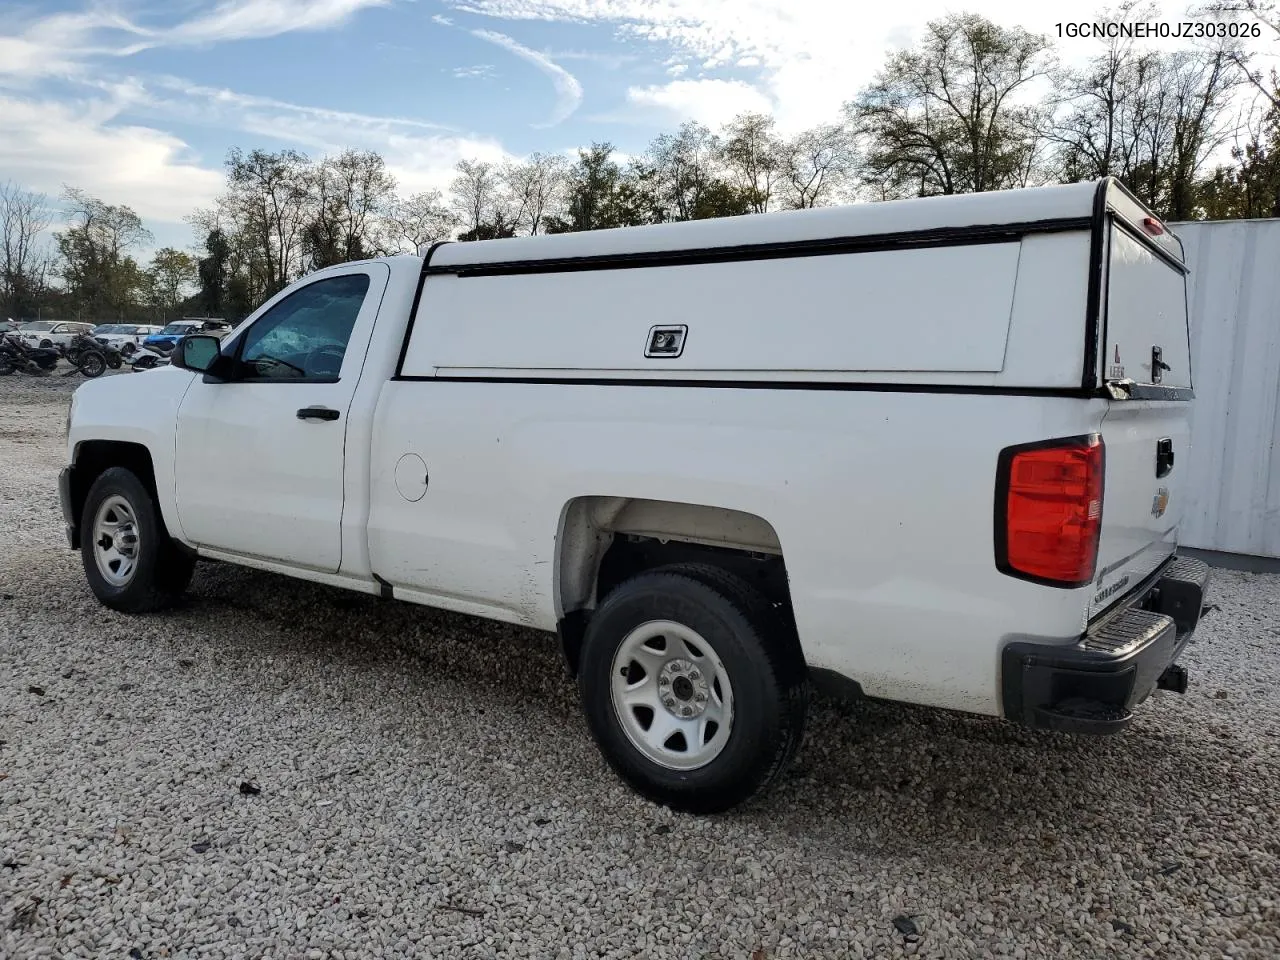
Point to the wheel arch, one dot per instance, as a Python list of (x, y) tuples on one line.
[(92, 459), (603, 540)]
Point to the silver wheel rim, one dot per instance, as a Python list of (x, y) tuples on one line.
[(672, 695), (115, 540)]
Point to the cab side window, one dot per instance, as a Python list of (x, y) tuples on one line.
[(304, 337)]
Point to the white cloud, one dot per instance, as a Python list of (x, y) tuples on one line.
[(58, 44), (244, 19), (479, 70), (418, 154), (710, 101), (568, 89), (809, 55), (46, 144)]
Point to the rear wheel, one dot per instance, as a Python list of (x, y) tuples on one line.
[(46, 344), (693, 686), (113, 360), (6, 366), (127, 349), (130, 561)]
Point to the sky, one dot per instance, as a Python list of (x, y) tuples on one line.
[(138, 101)]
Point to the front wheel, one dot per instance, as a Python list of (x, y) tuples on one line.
[(129, 560), (91, 363), (693, 686)]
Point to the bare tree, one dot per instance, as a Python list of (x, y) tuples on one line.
[(351, 192), (416, 222), (684, 165), (1266, 15), (537, 189), (1150, 118), (755, 158), (950, 116), (1100, 106), (817, 164), (267, 201), (24, 215), (479, 201)]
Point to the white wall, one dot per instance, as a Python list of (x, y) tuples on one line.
[(1234, 299)]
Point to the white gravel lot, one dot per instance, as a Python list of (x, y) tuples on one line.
[(422, 785)]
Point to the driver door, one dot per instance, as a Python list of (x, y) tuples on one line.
[(260, 459)]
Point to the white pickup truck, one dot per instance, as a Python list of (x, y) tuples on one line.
[(928, 450)]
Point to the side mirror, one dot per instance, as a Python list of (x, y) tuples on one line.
[(196, 352)]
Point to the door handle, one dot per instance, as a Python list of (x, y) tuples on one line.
[(1164, 457), (318, 413)]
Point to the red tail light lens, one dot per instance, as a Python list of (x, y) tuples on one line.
[(1049, 510)]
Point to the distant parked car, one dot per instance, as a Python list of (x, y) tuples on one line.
[(126, 337), (50, 333), (165, 340)]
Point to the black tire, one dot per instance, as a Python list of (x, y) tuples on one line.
[(761, 655), (6, 366), (46, 344), (92, 364), (162, 571), (113, 360), (128, 349)]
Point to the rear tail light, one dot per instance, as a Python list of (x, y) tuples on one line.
[(1049, 510)]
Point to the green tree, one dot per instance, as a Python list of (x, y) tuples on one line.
[(213, 270), (171, 275), (1248, 187), (602, 195), (102, 280)]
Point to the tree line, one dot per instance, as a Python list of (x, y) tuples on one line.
[(972, 107)]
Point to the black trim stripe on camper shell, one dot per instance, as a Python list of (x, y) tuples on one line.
[(825, 246), (1103, 214)]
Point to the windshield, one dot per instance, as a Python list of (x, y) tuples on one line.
[(176, 328)]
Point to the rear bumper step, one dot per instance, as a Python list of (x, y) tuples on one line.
[(1094, 684)]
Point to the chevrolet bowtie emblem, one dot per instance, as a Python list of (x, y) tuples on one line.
[(1160, 503)]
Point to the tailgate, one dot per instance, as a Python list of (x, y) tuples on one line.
[(1146, 429)]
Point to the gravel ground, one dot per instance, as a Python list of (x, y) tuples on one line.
[(281, 770)]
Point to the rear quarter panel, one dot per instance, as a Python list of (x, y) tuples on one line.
[(882, 501)]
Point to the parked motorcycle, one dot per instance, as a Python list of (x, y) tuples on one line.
[(17, 355), (112, 353), (89, 356)]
